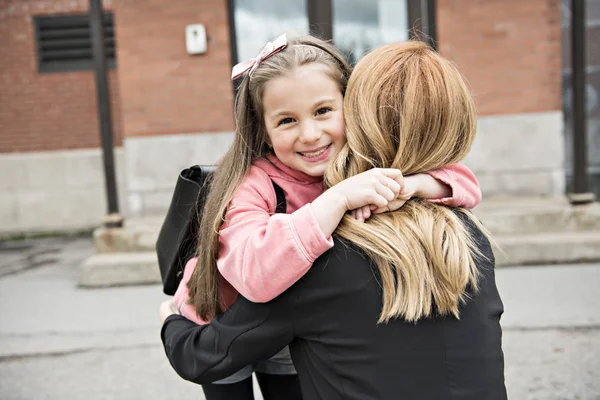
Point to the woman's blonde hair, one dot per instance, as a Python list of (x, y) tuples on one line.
[(407, 107), (249, 144)]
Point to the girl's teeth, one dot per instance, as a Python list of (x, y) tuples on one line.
[(315, 154)]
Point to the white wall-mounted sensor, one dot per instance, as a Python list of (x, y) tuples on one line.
[(195, 39)]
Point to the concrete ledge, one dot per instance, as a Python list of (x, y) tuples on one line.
[(529, 231), (549, 248), (116, 269), (115, 240), (138, 235), (137, 268), (502, 217), (503, 160), (55, 191), (537, 215), (153, 162)]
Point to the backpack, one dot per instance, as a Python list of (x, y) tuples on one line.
[(178, 237)]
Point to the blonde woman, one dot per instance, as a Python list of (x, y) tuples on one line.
[(405, 304)]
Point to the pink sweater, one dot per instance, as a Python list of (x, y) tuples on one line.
[(261, 254)]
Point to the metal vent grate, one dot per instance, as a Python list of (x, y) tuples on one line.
[(64, 42)]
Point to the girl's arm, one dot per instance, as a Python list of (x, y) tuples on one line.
[(463, 185), (261, 254), (455, 186)]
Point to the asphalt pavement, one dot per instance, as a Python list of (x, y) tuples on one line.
[(58, 341)]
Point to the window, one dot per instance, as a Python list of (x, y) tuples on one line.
[(64, 42), (362, 25), (259, 21)]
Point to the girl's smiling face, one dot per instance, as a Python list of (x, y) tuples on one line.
[(304, 119)]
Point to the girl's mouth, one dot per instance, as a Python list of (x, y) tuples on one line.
[(316, 155)]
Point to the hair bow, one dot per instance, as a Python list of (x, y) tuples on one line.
[(270, 48)]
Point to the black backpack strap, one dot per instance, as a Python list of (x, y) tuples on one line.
[(281, 203)]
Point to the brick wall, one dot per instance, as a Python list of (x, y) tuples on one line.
[(45, 111), (509, 51), (163, 89)]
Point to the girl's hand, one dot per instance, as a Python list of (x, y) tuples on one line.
[(408, 190), (167, 308), (394, 204), (377, 186), (362, 214), (411, 183)]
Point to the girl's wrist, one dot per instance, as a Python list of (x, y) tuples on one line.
[(329, 209), (426, 186), (336, 202), (413, 185)]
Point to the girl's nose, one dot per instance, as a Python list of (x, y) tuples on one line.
[(310, 133)]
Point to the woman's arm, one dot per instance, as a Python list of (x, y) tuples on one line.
[(245, 333)]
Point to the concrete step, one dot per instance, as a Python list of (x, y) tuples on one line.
[(138, 235), (502, 217), (547, 248), (536, 215), (550, 248), (119, 269), (527, 231)]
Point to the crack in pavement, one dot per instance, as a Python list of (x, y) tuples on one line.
[(136, 330), (91, 349), (567, 329), (65, 353)]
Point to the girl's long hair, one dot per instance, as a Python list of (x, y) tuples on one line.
[(406, 107), (249, 144)]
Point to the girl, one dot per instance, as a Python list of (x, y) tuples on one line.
[(289, 126)]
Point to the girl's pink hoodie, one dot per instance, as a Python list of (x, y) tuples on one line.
[(261, 254)]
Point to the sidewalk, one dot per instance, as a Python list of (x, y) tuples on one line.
[(58, 341)]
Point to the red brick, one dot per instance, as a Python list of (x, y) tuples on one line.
[(163, 89), (45, 111), (509, 50)]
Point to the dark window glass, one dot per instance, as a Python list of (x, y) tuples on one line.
[(362, 25), (260, 21), (592, 91)]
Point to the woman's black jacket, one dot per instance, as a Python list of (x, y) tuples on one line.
[(329, 319)]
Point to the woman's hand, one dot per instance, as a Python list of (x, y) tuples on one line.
[(167, 308)]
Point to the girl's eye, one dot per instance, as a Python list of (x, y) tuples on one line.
[(323, 110), (285, 121)]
